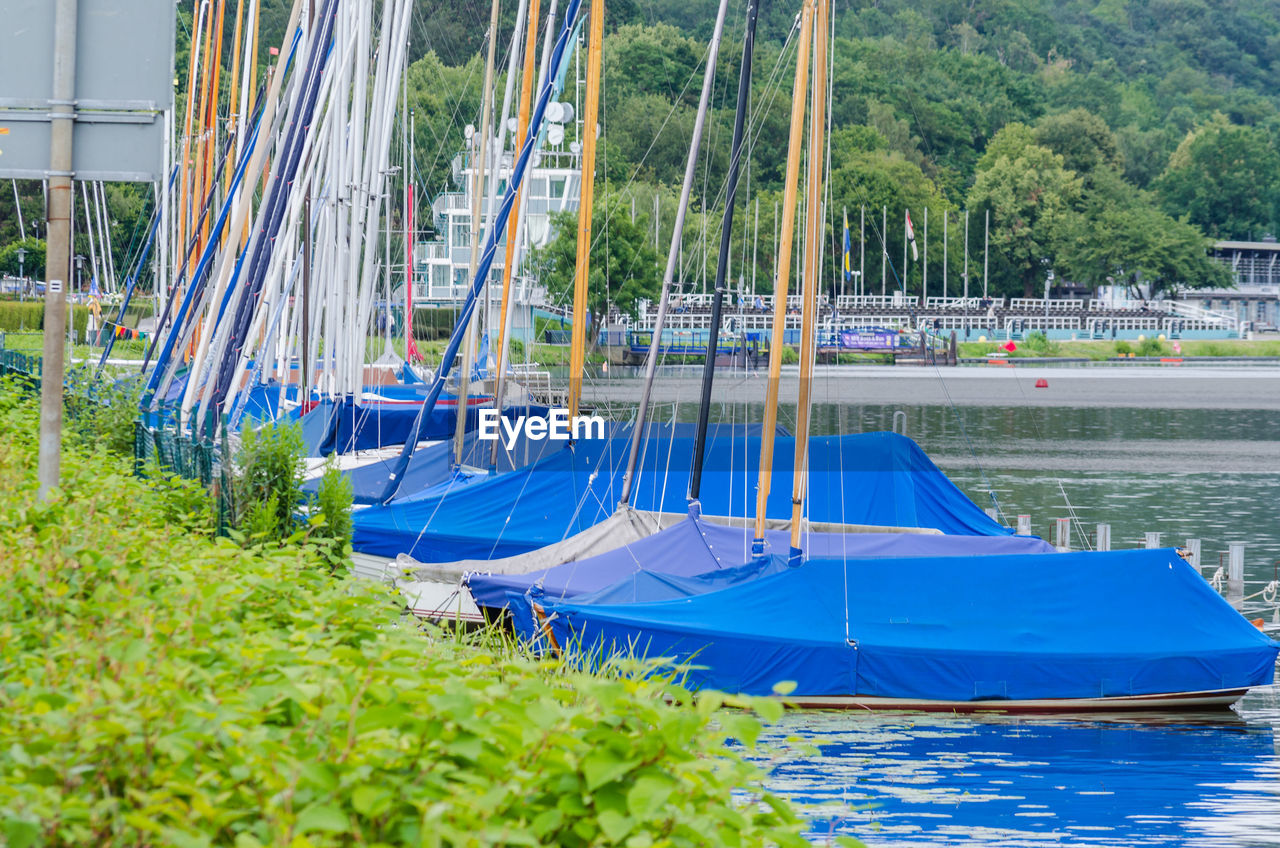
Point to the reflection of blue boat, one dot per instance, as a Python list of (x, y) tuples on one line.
[(1116, 630)]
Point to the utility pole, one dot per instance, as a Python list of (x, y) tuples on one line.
[(58, 231)]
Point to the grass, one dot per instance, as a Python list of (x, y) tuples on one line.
[(1104, 350)]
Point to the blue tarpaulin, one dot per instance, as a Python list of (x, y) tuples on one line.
[(1019, 627), (699, 547), (872, 478)]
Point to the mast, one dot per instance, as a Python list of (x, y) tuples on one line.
[(726, 232), (673, 254), (586, 200), (812, 272), (477, 183), (529, 8), (784, 272)]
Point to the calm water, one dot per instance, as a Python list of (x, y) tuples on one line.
[(1198, 780), (1206, 780)]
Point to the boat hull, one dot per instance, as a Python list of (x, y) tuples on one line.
[(1165, 701)]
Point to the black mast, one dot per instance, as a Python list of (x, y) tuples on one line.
[(735, 162)]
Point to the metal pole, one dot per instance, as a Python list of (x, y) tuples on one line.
[(986, 245), (58, 232), (884, 243), (304, 387), (862, 251), (924, 264), (945, 216), (731, 191)]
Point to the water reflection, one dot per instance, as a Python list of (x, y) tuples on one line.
[(1210, 779)]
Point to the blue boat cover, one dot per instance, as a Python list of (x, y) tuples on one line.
[(1020, 627), (698, 547), (872, 478)]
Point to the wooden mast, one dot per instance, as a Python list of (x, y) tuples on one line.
[(526, 95), (813, 252), (780, 287), (233, 99), (586, 198)]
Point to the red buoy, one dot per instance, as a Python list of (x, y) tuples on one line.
[(1042, 383)]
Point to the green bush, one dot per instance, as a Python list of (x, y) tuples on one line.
[(267, 486), (101, 411), (1152, 347), (1039, 342), (161, 688), (1123, 348), (333, 503)]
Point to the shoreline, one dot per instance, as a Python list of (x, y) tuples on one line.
[(1226, 387)]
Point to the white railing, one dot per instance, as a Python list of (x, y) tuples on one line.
[(1038, 304), (1216, 320), (859, 301), (1029, 323), (1101, 326)]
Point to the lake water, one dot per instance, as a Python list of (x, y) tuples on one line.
[(1203, 779)]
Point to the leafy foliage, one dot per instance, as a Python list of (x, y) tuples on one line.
[(333, 502), (624, 265), (268, 480), (162, 688)]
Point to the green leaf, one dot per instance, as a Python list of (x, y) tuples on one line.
[(19, 833), (370, 801), (648, 794), (324, 817), (614, 825), (602, 766)]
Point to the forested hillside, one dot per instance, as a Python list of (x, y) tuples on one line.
[(1107, 139)]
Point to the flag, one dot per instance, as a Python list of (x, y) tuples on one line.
[(848, 249), (911, 237)]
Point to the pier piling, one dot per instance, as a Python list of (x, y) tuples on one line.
[(1062, 534), (1104, 537), (1235, 572), (1024, 525), (1152, 540), (1193, 553)]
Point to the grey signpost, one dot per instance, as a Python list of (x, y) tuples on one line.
[(95, 112)]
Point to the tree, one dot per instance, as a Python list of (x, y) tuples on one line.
[(1030, 194), (1083, 139), (33, 262), (1224, 179), (624, 266), (1121, 236)]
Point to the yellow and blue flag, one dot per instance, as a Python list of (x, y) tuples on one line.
[(848, 249)]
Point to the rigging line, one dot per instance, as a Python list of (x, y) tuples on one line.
[(1035, 425)]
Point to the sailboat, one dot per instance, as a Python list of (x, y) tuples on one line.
[(993, 631)]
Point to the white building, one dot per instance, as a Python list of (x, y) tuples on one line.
[(552, 185)]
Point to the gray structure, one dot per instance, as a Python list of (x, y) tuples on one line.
[(1255, 301), (120, 105)]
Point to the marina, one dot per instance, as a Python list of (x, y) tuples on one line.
[(422, 486)]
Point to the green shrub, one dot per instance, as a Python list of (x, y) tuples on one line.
[(1039, 342), (1123, 348), (333, 503), (160, 688), (101, 411), (1152, 347), (267, 486)]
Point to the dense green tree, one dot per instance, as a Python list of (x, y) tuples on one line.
[(1224, 179), (624, 265), (1031, 196), (33, 262), (1081, 138), (1122, 237)]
